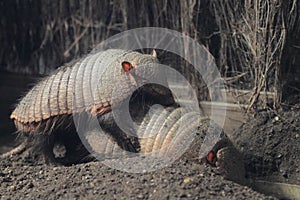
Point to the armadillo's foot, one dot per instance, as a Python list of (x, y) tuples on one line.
[(229, 161), (15, 151), (59, 150)]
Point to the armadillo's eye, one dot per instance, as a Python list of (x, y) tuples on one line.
[(211, 158), (127, 66)]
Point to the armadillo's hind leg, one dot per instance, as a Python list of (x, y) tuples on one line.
[(64, 147)]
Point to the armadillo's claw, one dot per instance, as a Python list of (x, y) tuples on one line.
[(96, 110)]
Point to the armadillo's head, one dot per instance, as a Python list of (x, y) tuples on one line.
[(141, 66), (139, 72)]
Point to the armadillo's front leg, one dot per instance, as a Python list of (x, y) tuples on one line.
[(105, 140)]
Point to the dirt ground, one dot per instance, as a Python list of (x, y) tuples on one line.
[(269, 141), (23, 178)]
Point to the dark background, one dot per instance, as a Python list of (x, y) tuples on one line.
[(37, 36)]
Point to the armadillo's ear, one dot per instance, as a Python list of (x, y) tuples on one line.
[(153, 53), (127, 66)]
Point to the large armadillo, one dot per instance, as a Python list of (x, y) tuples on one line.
[(91, 79), (87, 85)]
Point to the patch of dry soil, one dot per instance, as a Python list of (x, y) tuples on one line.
[(23, 178)]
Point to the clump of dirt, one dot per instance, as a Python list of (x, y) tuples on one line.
[(270, 143)]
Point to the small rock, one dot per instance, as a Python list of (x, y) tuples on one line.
[(12, 188), (187, 180), (140, 196), (279, 155), (223, 193)]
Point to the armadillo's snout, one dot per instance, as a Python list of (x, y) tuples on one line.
[(159, 94)]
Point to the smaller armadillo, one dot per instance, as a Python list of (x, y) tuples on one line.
[(166, 133)]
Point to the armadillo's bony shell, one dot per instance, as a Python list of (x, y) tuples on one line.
[(84, 85), (165, 133)]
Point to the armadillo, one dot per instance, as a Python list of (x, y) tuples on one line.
[(91, 79), (170, 132)]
